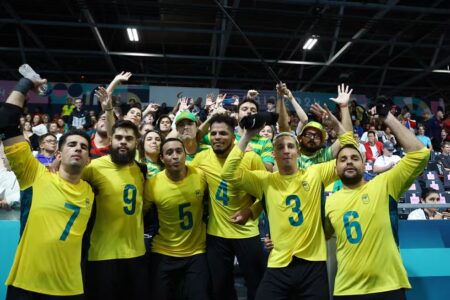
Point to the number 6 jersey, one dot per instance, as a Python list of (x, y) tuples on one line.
[(48, 257)]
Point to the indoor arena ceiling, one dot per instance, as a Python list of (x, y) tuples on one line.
[(380, 47)]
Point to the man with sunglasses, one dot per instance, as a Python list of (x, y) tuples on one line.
[(386, 161)]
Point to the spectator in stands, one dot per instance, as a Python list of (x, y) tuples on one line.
[(270, 104), (374, 148), (386, 161), (444, 136), (360, 146), (444, 158), (36, 120), (134, 115), (47, 149), (30, 136), (149, 149), (62, 126), (67, 109), (79, 118), (9, 186), (28, 118), (387, 136), (371, 127), (53, 129), (163, 125), (407, 121), (358, 112), (268, 132), (358, 128), (22, 121), (426, 141), (145, 127), (433, 127), (45, 119), (429, 196)]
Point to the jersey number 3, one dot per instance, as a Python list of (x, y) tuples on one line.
[(295, 221), (349, 224)]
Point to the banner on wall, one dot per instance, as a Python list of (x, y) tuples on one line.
[(59, 92)]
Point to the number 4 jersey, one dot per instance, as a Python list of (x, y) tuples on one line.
[(119, 227), (179, 205), (48, 257)]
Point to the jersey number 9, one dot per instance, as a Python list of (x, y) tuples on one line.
[(129, 200)]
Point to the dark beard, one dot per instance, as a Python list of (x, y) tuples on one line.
[(122, 159), (352, 180), (309, 149), (223, 151)]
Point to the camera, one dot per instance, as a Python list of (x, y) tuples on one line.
[(258, 120)]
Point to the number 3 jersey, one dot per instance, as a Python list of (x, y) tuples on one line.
[(48, 257), (293, 205), (118, 229), (365, 222), (179, 205)]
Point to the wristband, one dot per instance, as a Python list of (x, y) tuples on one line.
[(24, 85), (10, 121)]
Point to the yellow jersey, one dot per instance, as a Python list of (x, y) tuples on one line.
[(365, 222), (48, 257), (293, 204), (179, 206), (118, 230), (226, 199)]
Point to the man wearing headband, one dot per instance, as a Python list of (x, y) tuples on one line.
[(292, 199)]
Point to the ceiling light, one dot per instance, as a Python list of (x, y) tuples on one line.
[(132, 34), (310, 43)]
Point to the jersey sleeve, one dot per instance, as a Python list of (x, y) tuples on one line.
[(347, 139), (148, 198), (240, 176), (400, 177), (87, 174), (256, 164), (23, 164), (327, 171)]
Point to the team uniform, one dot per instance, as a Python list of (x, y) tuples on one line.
[(293, 203), (226, 240), (178, 249), (116, 263), (200, 147), (365, 222), (48, 257)]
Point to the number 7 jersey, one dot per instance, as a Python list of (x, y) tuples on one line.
[(48, 257)]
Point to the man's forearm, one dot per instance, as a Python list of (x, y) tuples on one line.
[(404, 136)]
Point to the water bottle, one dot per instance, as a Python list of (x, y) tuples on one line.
[(29, 73)]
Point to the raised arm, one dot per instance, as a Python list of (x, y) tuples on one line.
[(105, 98), (12, 109), (283, 118), (121, 77)]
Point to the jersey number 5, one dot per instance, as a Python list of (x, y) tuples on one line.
[(129, 200), (295, 209), (185, 224), (222, 193), (76, 212), (349, 224)]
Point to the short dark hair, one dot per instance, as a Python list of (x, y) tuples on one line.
[(371, 131), (160, 118), (445, 143), (270, 100), (42, 137), (128, 125), (248, 100), (229, 121), (82, 133), (170, 140), (427, 191), (347, 146)]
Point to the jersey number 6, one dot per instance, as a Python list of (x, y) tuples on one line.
[(349, 224)]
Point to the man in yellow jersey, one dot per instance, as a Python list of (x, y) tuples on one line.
[(116, 266), (364, 217), (48, 257), (228, 208), (293, 201), (178, 248)]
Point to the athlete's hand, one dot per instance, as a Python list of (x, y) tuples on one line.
[(343, 95), (267, 243), (241, 217)]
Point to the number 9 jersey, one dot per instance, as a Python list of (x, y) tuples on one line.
[(48, 257), (119, 226)]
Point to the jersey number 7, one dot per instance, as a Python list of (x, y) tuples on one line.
[(76, 212)]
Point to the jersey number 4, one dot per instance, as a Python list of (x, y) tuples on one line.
[(298, 220), (349, 224), (222, 193)]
